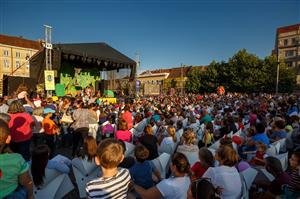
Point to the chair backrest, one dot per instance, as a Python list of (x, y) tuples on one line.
[(272, 150), (282, 145), (82, 179), (56, 188), (277, 146), (269, 176), (161, 163), (249, 176), (215, 145), (139, 127), (284, 160), (129, 149)]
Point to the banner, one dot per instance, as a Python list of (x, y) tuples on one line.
[(49, 80)]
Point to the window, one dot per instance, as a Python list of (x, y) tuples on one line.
[(27, 56), (285, 42), (17, 64), (18, 54), (5, 53), (289, 53), (294, 41), (6, 64)]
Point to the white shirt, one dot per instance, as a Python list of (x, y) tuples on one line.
[(3, 108), (167, 145), (227, 178), (174, 187)]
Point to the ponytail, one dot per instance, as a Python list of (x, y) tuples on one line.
[(172, 133)]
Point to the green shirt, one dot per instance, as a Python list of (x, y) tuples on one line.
[(11, 166)]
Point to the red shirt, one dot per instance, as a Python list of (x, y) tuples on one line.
[(198, 170), (20, 127), (123, 135)]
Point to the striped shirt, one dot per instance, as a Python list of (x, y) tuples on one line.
[(295, 181), (115, 187)]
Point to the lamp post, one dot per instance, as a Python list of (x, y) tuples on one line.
[(277, 77)]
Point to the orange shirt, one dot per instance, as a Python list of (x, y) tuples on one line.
[(49, 126)]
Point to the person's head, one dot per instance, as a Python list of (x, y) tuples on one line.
[(16, 107), (295, 160), (109, 153), (148, 130), (273, 165), (180, 164), (206, 157), (278, 125), (189, 137), (226, 141), (39, 160), (172, 132), (89, 148), (48, 112), (49, 100), (141, 153), (4, 135), (38, 111), (122, 125), (210, 127), (201, 188), (1, 101), (227, 156), (260, 146), (5, 117), (179, 124), (260, 127)]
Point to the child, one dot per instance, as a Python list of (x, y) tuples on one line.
[(260, 154), (141, 172), (50, 130), (206, 160), (114, 181), (293, 189)]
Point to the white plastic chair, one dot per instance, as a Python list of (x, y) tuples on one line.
[(284, 160), (129, 149), (249, 176), (215, 145), (269, 176), (161, 163), (184, 122), (56, 185), (274, 148), (282, 145), (84, 171)]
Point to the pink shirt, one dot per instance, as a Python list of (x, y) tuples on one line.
[(127, 116), (20, 127), (123, 135)]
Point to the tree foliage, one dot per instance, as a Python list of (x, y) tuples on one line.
[(243, 72)]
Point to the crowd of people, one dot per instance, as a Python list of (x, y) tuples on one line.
[(210, 138)]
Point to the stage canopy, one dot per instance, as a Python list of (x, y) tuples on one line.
[(86, 56)]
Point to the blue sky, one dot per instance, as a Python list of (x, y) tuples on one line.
[(165, 33)]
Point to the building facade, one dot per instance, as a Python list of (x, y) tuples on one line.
[(15, 53), (287, 46), (165, 79)]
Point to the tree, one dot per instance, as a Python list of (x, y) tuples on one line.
[(244, 72), (173, 83)]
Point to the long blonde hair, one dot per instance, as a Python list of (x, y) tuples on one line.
[(172, 132)]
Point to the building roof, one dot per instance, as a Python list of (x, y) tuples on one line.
[(19, 42), (100, 51), (175, 72), (288, 28)]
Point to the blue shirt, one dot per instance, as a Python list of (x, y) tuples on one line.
[(261, 137), (281, 134), (141, 173)]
